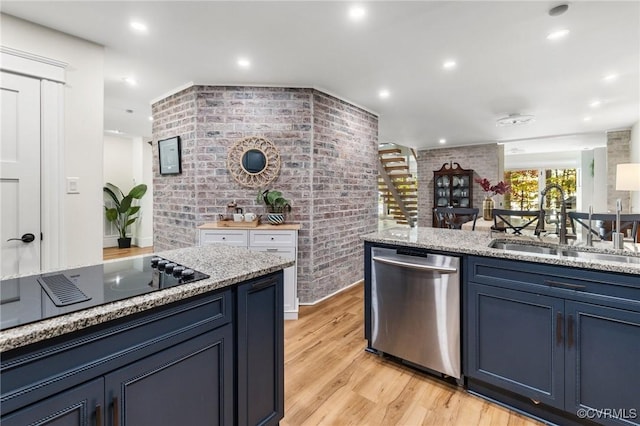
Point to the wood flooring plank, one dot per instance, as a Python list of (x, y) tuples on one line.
[(331, 380)]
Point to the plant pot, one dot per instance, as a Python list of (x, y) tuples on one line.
[(124, 243), (487, 208), (275, 218)]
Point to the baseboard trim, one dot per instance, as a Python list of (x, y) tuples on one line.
[(328, 296), (143, 242)]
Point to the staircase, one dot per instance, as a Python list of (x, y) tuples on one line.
[(397, 187)]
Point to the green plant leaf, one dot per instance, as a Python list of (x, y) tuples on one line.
[(111, 214), (111, 194), (125, 204), (129, 222), (138, 191), (133, 210)]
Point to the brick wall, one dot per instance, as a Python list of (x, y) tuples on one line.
[(618, 151), (484, 160), (210, 119), (345, 149)]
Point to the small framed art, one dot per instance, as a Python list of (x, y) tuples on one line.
[(170, 156)]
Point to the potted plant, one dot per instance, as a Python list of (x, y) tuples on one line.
[(123, 215), (277, 205)]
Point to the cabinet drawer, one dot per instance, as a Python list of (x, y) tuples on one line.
[(232, 238), (272, 238), (287, 252)]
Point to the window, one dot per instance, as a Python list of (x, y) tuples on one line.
[(526, 186)]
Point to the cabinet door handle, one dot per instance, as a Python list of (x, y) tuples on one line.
[(570, 331), (564, 285), (114, 408), (98, 415), (559, 328), (260, 284), (272, 249)]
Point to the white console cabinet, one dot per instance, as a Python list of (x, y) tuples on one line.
[(281, 240)]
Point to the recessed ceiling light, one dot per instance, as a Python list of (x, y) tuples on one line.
[(384, 94), (610, 77), (130, 81), (558, 10), (586, 119), (244, 63), (114, 131), (151, 118), (357, 13), (595, 104), (449, 64), (442, 140), (138, 26), (556, 35)]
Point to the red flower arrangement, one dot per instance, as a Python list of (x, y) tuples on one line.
[(500, 188)]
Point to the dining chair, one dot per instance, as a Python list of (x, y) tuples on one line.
[(604, 224), (503, 220), (454, 217)]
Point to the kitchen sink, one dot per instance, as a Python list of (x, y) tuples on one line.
[(601, 256), (524, 247)]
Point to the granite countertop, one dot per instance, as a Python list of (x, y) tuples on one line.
[(477, 243), (226, 266)]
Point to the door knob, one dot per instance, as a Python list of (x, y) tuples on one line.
[(26, 238)]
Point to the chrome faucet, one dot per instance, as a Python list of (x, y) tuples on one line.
[(563, 213)]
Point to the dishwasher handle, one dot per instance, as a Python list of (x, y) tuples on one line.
[(419, 266)]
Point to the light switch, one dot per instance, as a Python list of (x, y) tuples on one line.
[(73, 185)]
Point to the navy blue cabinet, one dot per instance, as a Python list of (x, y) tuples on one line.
[(516, 342), (603, 363), (260, 341), (554, 336), (188, 384), (81, 406)]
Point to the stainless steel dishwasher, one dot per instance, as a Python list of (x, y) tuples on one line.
[(415, 308)]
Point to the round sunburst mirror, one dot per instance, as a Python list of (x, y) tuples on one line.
[(254, 162)]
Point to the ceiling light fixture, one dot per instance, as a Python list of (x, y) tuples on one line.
[(449, 64), (384, 94), (595, 104), (442, 141), (586, 119), (130, 81), (610, 77), (556, 35), (138, 26), (514, 120), (357, 13), (151, 118), (244, 63)]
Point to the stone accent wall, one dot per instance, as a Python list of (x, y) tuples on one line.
[(314, 175), (618, 151), (484, 160)]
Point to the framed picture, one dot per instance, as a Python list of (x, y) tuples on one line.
[(170, 156)]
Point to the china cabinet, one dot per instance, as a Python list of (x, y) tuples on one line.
[(452, 187)]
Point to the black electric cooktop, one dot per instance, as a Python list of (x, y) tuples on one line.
[(35, 297)]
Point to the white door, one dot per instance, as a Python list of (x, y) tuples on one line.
[(19, 174)]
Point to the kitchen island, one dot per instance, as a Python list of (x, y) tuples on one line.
[(547, 332), (195, 353)]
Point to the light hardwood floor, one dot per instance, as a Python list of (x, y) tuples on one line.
[(331, 380), (111, 253)]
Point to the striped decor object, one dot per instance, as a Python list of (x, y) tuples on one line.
[(275, 218)]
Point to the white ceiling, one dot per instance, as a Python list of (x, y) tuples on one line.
[(505, 64)]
